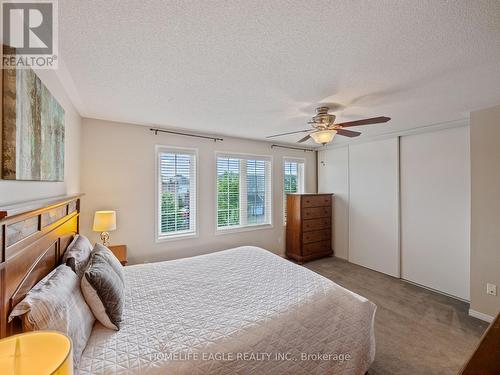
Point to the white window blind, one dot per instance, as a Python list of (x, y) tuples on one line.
[(293, 179), (228, 192), (243, 191), (177, 192)]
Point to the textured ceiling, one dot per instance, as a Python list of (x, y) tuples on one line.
[(254, 68)]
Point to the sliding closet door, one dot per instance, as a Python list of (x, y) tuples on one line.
[(374, 205), (435, 214), (333, 177)]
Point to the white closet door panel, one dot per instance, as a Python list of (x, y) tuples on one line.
[(374, 205), (333, 177), (435, 202)]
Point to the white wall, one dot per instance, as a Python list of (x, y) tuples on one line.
[(485, 209), (118, 172), (17, 191), (333, 177), (435, 210), (374, 205)]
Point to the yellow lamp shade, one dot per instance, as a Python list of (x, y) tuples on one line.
[(104, 221), (323, 136), (36, 353)]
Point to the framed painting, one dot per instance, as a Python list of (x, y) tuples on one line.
[(32, 128)]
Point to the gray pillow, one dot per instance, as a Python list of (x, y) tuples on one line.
[(77, 254), (110, 258), (56, 303), (103, 290)]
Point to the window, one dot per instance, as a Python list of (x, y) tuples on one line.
[(243, 191), (228, 192), (176, 202), (293, 179)]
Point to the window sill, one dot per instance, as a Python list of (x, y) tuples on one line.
[(176, 237), (246, 228)]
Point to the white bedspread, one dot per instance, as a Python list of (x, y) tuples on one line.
[(239, 311)]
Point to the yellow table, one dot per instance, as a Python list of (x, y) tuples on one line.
[(36, 353)]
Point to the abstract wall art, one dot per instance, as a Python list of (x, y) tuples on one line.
[(32, 129)]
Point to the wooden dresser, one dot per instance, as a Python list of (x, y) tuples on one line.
[(309, 226)]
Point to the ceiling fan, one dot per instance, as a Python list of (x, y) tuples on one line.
[(324, 129)]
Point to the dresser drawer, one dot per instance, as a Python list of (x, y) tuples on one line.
[(316, 212), (317, 247), (316, 200), (316, 235), (316, 224)]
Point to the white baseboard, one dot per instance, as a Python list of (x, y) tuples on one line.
[(480, 315), (435, 291)]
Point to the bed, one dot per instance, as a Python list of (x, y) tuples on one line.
[(201, 315), (239, 311)]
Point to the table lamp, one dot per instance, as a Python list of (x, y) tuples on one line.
[(37, 352), (104, 221)]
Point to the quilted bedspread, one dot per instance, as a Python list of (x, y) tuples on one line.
[(239, 311)]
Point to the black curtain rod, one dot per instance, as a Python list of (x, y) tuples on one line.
[(293, 148), (156, 131)]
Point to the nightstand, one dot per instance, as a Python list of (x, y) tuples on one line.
[(120, 252)]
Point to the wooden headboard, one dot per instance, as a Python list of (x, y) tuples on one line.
[(33, 238)]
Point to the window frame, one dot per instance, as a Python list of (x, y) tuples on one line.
[(194, 219), (301, 175), (244, 157)]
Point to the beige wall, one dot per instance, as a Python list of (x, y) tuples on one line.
[(485, 208), (118, 172), (16, 191)]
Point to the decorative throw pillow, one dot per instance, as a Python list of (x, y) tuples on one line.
[(103, 290), (110, 258), (77, 254), (56, 303)]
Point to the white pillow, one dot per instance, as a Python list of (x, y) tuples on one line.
[(56, 303)]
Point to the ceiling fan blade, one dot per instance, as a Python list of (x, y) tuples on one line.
[(366, 121), (348, 133), (298, 131), (304, 139)]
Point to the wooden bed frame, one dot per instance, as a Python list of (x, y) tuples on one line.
[(33, 238)]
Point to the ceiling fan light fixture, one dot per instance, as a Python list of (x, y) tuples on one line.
[(323, 137), (324, 127)]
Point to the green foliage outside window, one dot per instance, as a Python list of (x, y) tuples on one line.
[(228, 199), (173, 218), (290, 183)]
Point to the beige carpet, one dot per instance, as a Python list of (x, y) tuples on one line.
[(417, 331)]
